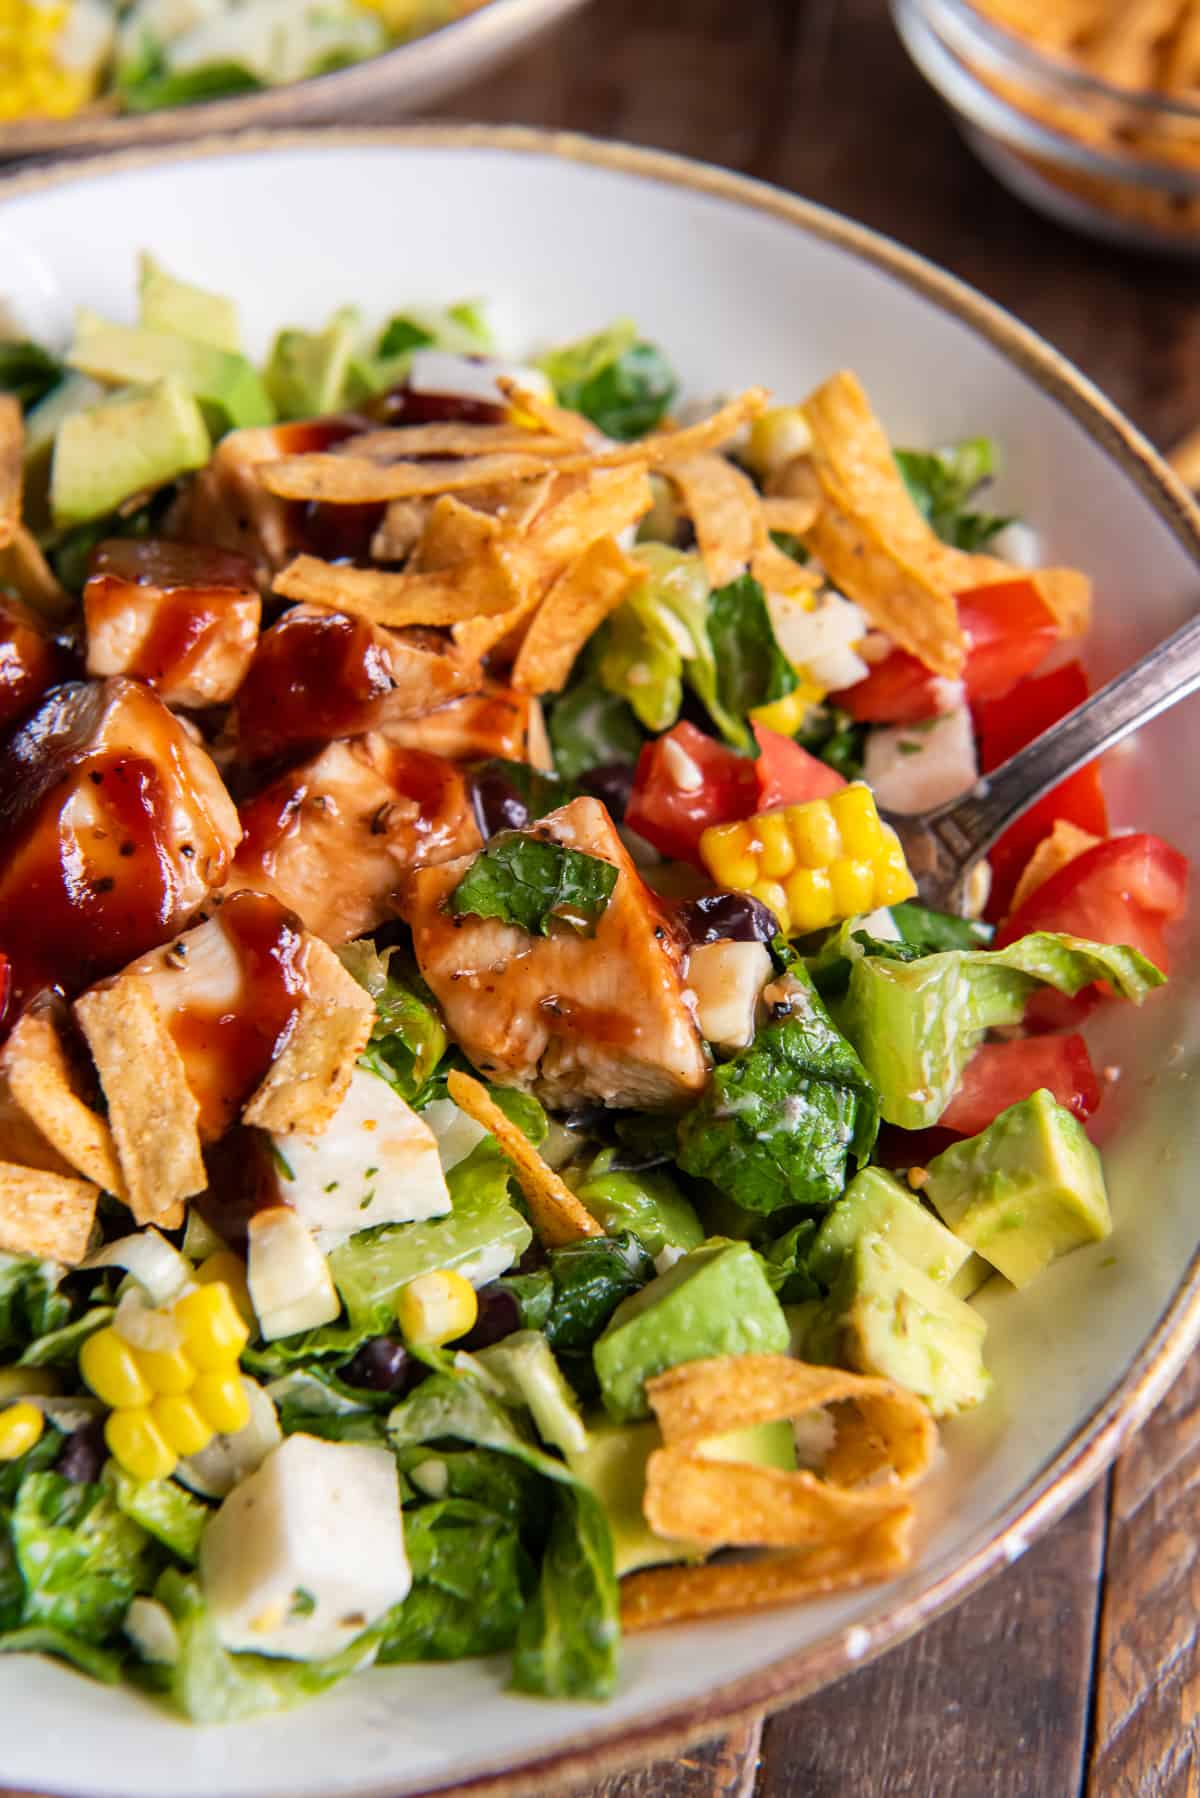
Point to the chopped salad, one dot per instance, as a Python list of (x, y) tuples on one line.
[(64, 57), (488, 1126)]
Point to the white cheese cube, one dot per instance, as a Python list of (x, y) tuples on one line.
[(290, 1285), (912, 767), (472, 377), (727, 978), (820, 635), (377, 1162), (308, 1552)]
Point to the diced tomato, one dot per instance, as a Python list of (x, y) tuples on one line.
[(1126, 890), (1008, 724), (1002, 1074), (718, 787), (789, 775), (672, 815), (1009, 631)]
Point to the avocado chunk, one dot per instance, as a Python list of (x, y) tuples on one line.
[(894, 1321), (524, 1366), (132, 442), (307, 371), (876, 1204), (73, 394), (649, 1204), (1025, 1190), (614, 1462), (166, 304), (715, 1301), (228, 387), (974, 1273)]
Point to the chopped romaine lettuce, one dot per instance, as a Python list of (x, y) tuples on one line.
[(481, 1237), (916, 1024), (640, 652), (786, 1262), (750, 668), (779, 1121), (408, 1040), (930, 931), (533, 882), (591, 727), (942, 482), (80, 1557), (470, 1574), (28, 372), (31, 1305), (623, 385), (163, 1509), (835, 738), (648, 1203)]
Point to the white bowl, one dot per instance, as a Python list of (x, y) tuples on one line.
[(740, 284)]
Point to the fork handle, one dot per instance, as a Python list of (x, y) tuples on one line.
[(968, 826)]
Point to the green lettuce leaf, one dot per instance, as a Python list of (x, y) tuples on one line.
[(942, 482), (835, 738), (749, 668), (481, 1236), (207, 1684), (779, 1122), (930, 931), (591, 1277), (916, 1024), (31, 1305), (155, 91), (80, 1557), (533, 882), (622, 384), (647, 1202), (43, 1638), (569, 1637), (470, 1575), (786, 1263), (590, 727), (640, 650), (162, 1508), (28, 372), (408, 1040)]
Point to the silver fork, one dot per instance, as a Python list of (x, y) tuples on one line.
[(943, 845)]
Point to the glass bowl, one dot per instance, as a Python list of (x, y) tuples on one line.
[(1119, 163)]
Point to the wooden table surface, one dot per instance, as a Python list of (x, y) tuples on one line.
[(1077, 1670)]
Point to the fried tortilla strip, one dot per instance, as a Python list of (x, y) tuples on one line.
[(342, 479), (152, 1111), (726, 513), (1065, 842), (12, 444), (25, 569), (793, 512), (399, 443), (22, 1143), (40, 1080), (778, 572), (480, 588), (564, 426), (578, 602), (1068, 594), (663, 1595), (1180, 71), (399, 531), (1123, 48), (555, 1212), (869, 536), (45, 1215), (308, 1081)]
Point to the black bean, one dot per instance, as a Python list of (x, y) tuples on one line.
[(736, 917), (611, 783), (384, 1365), (498, 805), (499, 1316), (84, 1453)]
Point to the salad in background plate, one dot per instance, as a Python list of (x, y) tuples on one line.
[(488, 1127)]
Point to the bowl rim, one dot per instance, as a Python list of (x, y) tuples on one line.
[(1102, 1433), (1059, 69), (428, 61)]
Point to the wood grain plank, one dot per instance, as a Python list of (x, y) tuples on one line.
[(725, 1768), (992, 1699), (1146, 1724)]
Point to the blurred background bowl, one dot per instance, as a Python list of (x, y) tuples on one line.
[(406, 79), (1117, 163)]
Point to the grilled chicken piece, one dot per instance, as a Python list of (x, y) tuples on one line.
[(331, 838), (227, 506), (495, 722), (180, 617), (114, 827), (317, 675), (30, 661), (572, 1017)]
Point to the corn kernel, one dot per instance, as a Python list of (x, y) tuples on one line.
[(857, 822), (786, 715), (853, 887), (230, 1270), (109, 1366), (213, 1330), (135, 1440), (221, 1401), (776, 438), (776, 855), (809, 897), (772, 896), (166, 1370), (814, 833), (180, 1424), (21, 1425), (436, 1308)]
